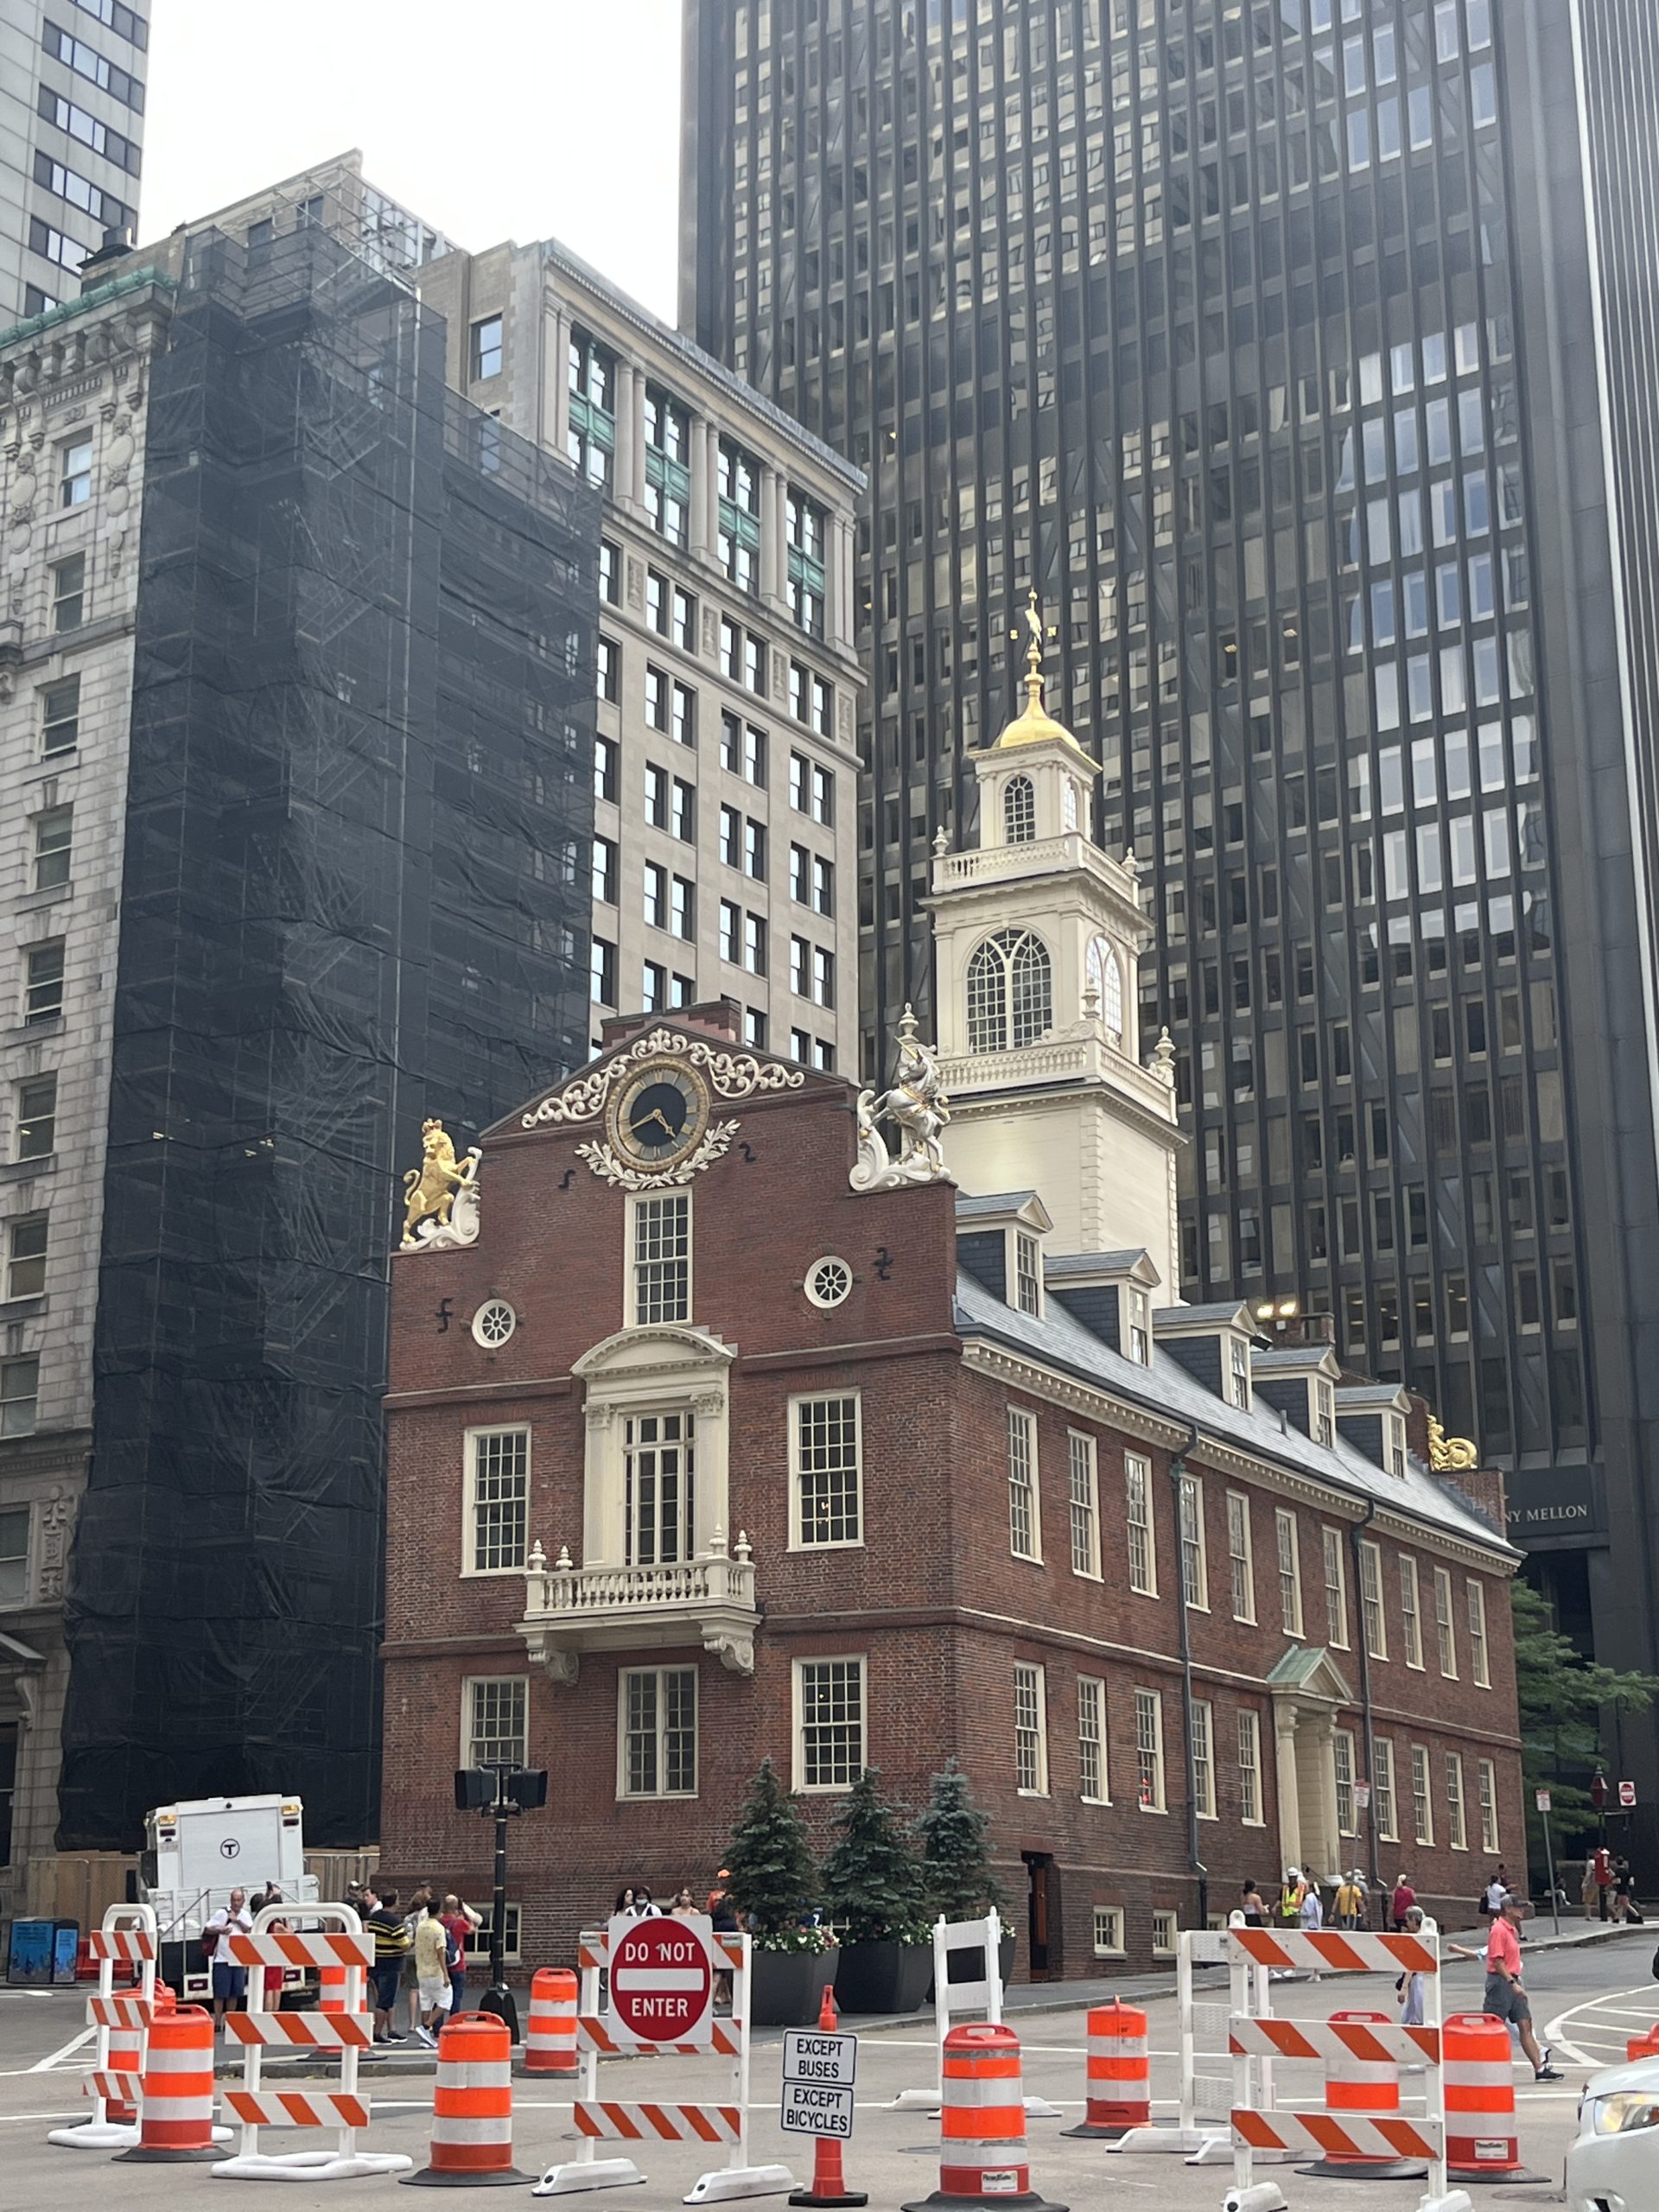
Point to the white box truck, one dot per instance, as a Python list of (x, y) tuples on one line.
[(197, 1852)]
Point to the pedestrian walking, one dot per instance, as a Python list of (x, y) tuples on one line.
[(1351, 1900), (229, 1980), (432, 1983), (413, 1915), (1309, 1916), (1410, 1987), (1402, 1902), (1624, 1907), (461, 1922), (386, 1924), (1253, 1905), (1504, 1997), (1492, 1897), (1603, 1865)]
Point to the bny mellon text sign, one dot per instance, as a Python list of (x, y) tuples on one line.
[(818, 2072)]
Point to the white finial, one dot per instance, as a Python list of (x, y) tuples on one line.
[(565, 1564), (536, 1563), (742, 1549), (941, 841), (1163, 1057), (717, 1541), (1131, 866)]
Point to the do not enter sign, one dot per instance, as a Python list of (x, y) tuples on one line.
[(662, 1986)]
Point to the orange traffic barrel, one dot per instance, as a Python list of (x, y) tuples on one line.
[(982, 2159), (1481, 2141), (1358, 2086), (551, 2043), (1119, 2087), (471, 2108), (175, 2119), (331, 1988)]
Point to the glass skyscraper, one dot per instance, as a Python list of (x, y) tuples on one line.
[(1300, 354)]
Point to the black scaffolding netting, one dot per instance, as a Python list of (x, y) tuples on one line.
[(356, 892)]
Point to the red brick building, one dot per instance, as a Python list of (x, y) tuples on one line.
[(719, 1441)]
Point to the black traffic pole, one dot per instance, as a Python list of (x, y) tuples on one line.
[(499, 1999)]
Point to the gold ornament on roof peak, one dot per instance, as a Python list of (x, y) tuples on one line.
[(1449, 1455), (1036, 726)]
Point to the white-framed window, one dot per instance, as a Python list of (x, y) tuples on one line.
[(1142, 1540), (1108, 1931), (1166, 1935), (1094, 1780), (1387, 1821), (659, 1474), (829, 1722), (1325, 1411), (1084, 1489), (13, 1556), (1393, 1442), (1446, 1626), (1290, 1569), (54, 837), (1025, 1528), (1480, 1665), (1372, 1621), (656, 1732), (19, 1386), (1342, 1751), (1336, 1588), (43, 981), (26, 1240), (1486, 1781), (1010, 992), (1240, 1564), (36, 1124), (1019, 795), (497, 1499), (60, 717), (1149, 1750), (1457, 1826), (1422, 1809), (1411, 1614), (479, 1938), (1249, 1767), (494, 1720), (1203, 1759), (659, 1274), (1027, 1273), (75, 470), (1137, 1334), (825, 1443), (1195, 1568), (1238, 1372), (1030, 1731)]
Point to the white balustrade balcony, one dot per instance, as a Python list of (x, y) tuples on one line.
[(707, 1601)]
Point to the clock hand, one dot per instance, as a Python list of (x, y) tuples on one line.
[(655, 1114)]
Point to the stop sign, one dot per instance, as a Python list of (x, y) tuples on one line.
[(662, 1982)]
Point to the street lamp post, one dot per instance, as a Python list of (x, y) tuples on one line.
[(499, 1791)]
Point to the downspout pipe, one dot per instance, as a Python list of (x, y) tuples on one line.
[(1177, 1470), (1356, 1532)]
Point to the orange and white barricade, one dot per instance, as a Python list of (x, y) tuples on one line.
[(1199, 2131), (1363, 2054), (343, 2108), (1344, 2134), (471, 2108), (550, 2041), (601, 2121), (982, 2155), (950, 1939), (129, 1937), (1482, 2144)]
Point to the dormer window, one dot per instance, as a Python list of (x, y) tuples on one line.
[(1238, 1373), (1027, 1273), (1325, 1410), (1393, 1443), (1010, 992), (1019, 810), (1137, 1336)]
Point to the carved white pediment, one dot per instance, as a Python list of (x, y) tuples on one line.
[(730, 1075), (651, 1352)]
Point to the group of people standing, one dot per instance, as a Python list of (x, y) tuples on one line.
[(420, 1954), (1609, 1890)]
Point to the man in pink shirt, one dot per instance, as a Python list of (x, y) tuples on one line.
[(1505, 1998)]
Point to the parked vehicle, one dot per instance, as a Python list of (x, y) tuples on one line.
[(196, 1852), (1614, 2164)]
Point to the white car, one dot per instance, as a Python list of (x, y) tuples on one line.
[(1614, 2164)]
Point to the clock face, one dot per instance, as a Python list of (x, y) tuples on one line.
[(660, 1115)]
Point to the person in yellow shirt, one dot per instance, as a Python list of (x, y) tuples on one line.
[(1351, 1900), (432, 1971)]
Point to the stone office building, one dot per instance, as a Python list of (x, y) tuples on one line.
[(757, 1440)]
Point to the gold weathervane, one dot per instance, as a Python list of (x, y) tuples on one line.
[(1449, 1455)]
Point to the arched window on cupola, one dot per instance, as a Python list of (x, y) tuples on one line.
[(1108, 979), (1019, 810), (1010, 992), (1068, 805)]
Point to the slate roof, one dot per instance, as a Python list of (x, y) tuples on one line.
[(1166, 1388)]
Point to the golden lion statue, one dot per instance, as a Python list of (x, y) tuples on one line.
[(430, 1190)]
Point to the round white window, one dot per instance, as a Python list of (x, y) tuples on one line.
[(493, 1323), (827, 1281)]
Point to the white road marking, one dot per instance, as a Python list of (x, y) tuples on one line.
[(1555, 2031), (77, 2043)]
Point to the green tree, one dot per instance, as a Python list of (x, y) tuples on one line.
[(875, 1887), (956, 1859), (770, 1862), (1563, 1698)]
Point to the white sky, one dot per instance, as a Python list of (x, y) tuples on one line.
[(514, 118)]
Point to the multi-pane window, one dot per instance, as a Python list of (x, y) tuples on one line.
[(1240, 1566), (1286, 1542), (1083, 1492), (731, 931), (1030, 1732), (607, 768), (1203, 1759), (668, 475), (1108, 1930), (43, 981), (60, 717), (1149, 1750), (1137, 1335), (37, 1116), (655, 882), (605, 872), (1092, 1780), (1249, 1767), (602, 962), (805, 525), (591, 439), (1238, 1373), (1325, 1411), (739, 523), (1382, 1799), (69, 593), (1486, 1782), (754, 943), (610, 573), (1142, 1541), (1456, 1830), (829, 1723), (1010, 992), (609, 665), (54, 842), (1027, 1273), (1371, 1600), (497, 1721), (1019, 810), (1422, 1809), (1336, 1589), (1479, 1663), (657, 1723), (1195, 1572), (25, 1244), (1166, 1935), (1342, 1747), (487, 347), (20, 1384), (661, 1273), (1445, 1627), (1411, 1614), (1025, 1534), (754, 756), (827, 1471), (660, 1462), (75, 473), (499, 1482), (14, 1559)]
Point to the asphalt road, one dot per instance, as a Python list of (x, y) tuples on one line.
[(1587, 2001)]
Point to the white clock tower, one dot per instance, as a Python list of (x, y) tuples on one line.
[(1038, 935)]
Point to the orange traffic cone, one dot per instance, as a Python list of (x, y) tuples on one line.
[(828, 2183)]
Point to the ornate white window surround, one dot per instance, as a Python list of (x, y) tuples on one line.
[(665, 1369)]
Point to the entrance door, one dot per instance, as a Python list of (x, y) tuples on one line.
[(1038, 1863)]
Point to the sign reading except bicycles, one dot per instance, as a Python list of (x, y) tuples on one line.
[(818, 2072), (661, 1981)]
